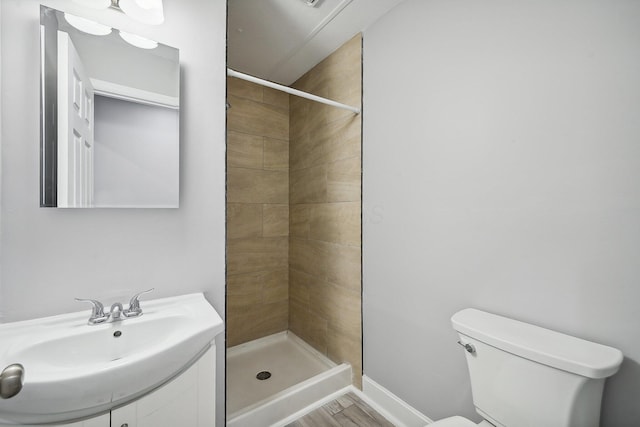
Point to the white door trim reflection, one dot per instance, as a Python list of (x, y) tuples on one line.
[(126, 93), (75, 128)]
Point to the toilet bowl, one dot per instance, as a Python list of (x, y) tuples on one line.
[(517, 368)]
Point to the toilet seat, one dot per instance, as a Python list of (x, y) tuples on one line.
[(454, 422)]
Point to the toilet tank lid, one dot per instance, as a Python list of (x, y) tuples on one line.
[(541, 345)]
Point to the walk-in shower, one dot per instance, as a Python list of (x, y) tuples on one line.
[(293, 239)]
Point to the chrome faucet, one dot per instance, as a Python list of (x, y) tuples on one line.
[(117, 312)]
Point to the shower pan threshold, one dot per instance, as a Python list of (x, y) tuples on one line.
[(300, 376)]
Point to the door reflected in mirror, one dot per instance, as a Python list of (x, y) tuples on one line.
[(110, 117)]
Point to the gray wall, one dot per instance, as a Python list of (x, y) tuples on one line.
[(501, 171), (50, 256)]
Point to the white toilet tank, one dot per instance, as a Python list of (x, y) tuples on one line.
[(526, 376)]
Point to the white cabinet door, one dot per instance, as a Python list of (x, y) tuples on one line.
[(186, 401)]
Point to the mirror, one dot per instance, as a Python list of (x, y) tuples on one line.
[(109, 117)]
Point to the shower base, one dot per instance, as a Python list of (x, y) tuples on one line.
[(300, 376)]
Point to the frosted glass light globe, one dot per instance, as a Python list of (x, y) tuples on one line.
[(138, 41), (86, 25)]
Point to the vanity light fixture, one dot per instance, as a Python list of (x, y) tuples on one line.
[(87, 25), (138, 41), (91, 27)]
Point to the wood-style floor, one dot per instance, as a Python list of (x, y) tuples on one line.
[(346, 411)]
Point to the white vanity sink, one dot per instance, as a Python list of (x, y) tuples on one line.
[(74, 370)]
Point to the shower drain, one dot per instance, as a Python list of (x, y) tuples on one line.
[(263, 375)]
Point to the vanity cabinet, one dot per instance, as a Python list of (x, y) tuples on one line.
[(187, 400)]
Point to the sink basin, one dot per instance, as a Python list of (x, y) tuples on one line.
[(74, 370)]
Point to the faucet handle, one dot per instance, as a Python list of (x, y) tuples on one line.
[(97, 311), (134, 309)]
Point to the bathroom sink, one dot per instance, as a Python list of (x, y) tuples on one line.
[(74, 370)]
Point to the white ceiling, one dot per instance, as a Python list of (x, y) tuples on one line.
[(280, 40)]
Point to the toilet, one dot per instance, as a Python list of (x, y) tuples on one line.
[(526, 376)]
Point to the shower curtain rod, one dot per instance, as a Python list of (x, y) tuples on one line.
[(296, 92)]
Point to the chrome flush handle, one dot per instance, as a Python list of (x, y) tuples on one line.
[(470, 349)]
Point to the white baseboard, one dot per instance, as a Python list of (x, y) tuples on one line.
[(396, 410)]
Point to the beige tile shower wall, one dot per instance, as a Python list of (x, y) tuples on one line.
[(325, 210), (257, 211)]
